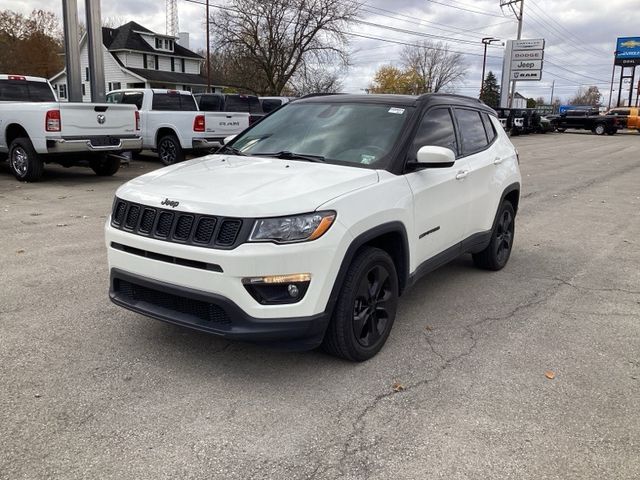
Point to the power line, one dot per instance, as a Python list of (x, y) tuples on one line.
[(466, 9)]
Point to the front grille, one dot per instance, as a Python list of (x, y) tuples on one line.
[(179, 227), (228, 232), (204, 311), (132, 216)]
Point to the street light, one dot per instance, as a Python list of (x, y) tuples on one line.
[(486, 41)]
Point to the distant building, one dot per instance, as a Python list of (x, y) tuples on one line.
[(136, 57), (519, 101)]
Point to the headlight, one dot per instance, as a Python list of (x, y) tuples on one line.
[(298, 228)]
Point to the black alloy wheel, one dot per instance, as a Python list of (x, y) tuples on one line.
[(496, 255), (169, 150), (366, 307)]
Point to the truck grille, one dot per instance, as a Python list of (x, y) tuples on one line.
[(178, 227), (204, 311)]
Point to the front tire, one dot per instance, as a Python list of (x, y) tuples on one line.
[(24, 162), (599, 129), (105, 166), (366, 307), (497, 253), (169, 150)]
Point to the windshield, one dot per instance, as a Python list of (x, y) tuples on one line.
[(358, 134)]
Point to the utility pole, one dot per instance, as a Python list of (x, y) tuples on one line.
[(553, 87), (72, 50), (486, 41), (208, 52), (519, 15), (613, 74)]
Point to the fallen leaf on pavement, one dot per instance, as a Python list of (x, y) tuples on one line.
[(62, 225), (20, 251), (549, 374), (397, 387)]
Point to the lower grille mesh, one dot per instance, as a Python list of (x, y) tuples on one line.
[(205, 311)]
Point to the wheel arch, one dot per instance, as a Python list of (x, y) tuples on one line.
[(512, 194), (163, 132), (13, 131), (390, 237)]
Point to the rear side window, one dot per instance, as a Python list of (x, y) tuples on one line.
[(474, 137), (254, 105), (436, 128), (237, 103), (173, 101), (270, 104), (210, 103), (127, 98), (488, 127), (621, 112), (25, 91)]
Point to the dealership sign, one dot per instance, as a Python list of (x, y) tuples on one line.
[(526, 65), (628, 51), (523, 61), (535, 44), (526, 75)]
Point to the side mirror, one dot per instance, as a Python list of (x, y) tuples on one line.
[(228, 139), (431, 156)]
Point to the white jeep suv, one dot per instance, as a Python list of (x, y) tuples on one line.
[(306, 228)]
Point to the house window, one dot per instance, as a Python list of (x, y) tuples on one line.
[(86, 73), (63, 90), (116, 85), (144, 60), (84, 90), (157, 63), (158, 43), (182, 61), (173, 64)]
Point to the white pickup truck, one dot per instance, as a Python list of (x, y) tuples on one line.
[(172, 125), (36, 129)]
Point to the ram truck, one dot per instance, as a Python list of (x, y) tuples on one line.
[(587, 120), (305, 229), (173, 126), (35, 129)]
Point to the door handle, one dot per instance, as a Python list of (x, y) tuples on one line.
[(498, 160), (462, 174)]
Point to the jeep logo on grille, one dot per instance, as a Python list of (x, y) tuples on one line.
[(170, 203), (101, 119)]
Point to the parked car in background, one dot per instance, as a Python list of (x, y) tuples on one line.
[(269, 104), (628, 117), (512, 120), (587, 120), (306, 228), (36, 129), (544, 125), (172, 125), (231, 103)]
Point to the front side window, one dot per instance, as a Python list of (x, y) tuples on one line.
[(435, 129), (128, 98), (474, 137), (358, 134)]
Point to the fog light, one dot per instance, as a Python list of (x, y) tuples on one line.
[(278, 289)]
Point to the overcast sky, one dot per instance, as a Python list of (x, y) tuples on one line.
[(580, 34)]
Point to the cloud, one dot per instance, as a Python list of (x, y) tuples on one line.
[(580, 34)]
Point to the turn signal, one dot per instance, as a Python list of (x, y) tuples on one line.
[(137, 120)]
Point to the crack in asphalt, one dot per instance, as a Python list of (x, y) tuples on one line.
[(594, 289), (359, 423)]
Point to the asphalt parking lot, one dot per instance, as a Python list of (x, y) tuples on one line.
[(89, 390)]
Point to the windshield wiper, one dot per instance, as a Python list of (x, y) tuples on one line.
[(229, 148), (286, 155)]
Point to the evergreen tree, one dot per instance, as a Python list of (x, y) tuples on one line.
[(491, 91)]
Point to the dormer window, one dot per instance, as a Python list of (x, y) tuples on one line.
[(164, 44)]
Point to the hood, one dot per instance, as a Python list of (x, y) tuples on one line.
[(235, 186)]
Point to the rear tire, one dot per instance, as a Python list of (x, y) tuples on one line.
[(105, 166), (497, 253), (366, 307), (24, 162), (561, 130), (169, 150), (600, 129)]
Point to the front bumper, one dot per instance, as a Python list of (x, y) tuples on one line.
[(94, 145), (211, 313)]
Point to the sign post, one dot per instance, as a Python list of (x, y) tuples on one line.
[(523, 61), (627, 56)]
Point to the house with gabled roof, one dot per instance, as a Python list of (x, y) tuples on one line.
[(136, 57)]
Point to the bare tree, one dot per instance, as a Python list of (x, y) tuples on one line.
[(273, 40), (591, 96), (432, 66), (315, 79)]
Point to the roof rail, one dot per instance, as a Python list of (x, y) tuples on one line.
[(454, 95), (311, 95)]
